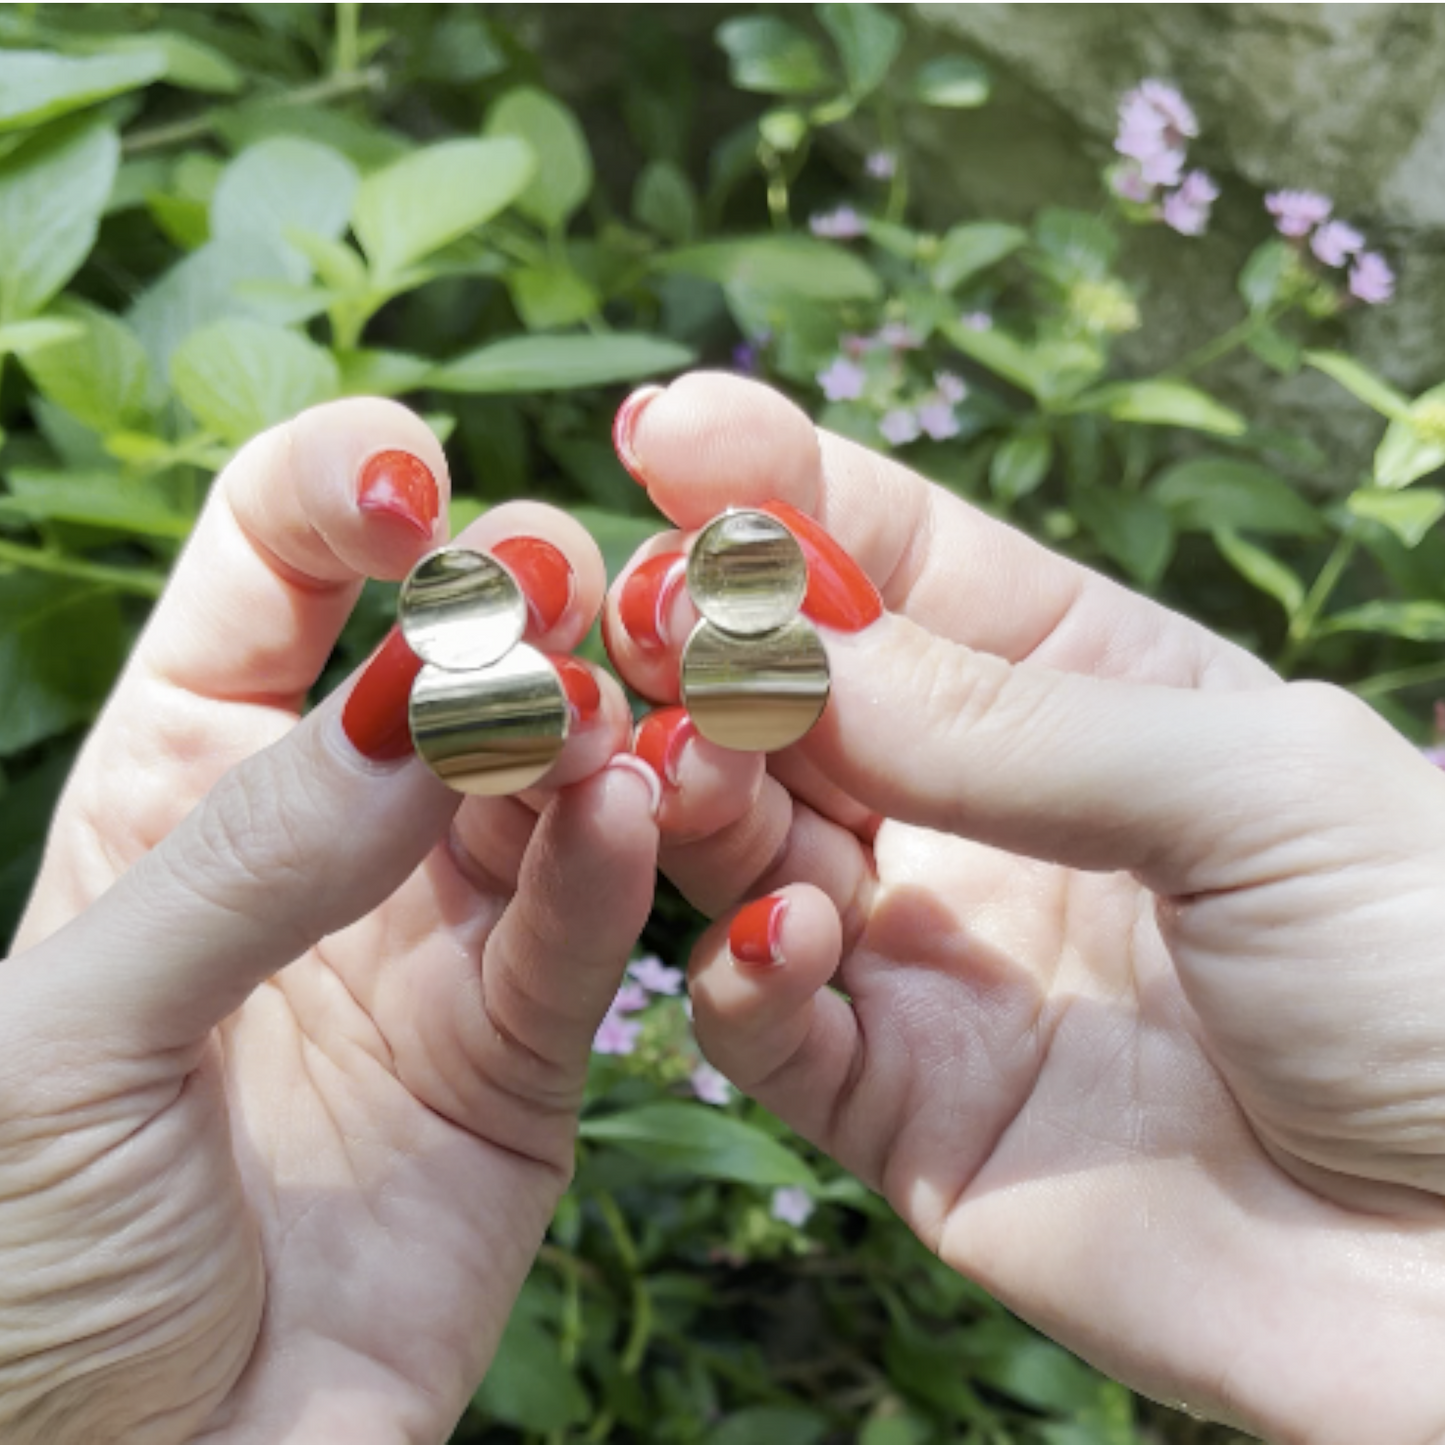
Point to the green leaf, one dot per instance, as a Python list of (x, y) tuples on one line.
[(528, 1385), (37, 86), (952, 82), (560, 363), (1256, 566), (381, 373), (1409, 515), (770, 1425), (799, 265), (60, 648), (27, 338), (239, 377), (868, 38), (1020, 464), (1263, 275), (433, 196), (1033, 1371), (100, 375), (1413, 445), (1133, 530), (664, 201), (188, 63), (703, 1141), (551, 295), (1001, 353), (1417, 621), (183, 220), (966, 250), (282, 185), (97, 499), (336, 265), (550, 131), (53, 190), (1081, 246), (1360, 382), (1208, 492), (785, 129), (1162, 403), (1276, 350), (773, 57), (895, 1429)]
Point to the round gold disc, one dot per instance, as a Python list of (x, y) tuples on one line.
[(755, 694), (747, 573), (461, 610), (491, 731)]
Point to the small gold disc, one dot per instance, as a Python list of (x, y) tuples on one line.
[(460, 610), (492, 731), (747, 573), (755, 694)]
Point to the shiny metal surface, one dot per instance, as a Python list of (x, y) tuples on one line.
[(460, 610), (755, 694), (491, 731), (747, 573)]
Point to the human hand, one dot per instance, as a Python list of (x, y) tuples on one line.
[(1139, 1004), (288, 1086)]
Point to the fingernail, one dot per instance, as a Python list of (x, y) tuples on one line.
[(661, 739), (839, 593), (400, 485), (375, 715), (646, 597), (755, 935), (583, 693), (628, 763), (545, 576), (624, 427)]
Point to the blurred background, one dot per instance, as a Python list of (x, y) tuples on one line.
[(1162, 285)]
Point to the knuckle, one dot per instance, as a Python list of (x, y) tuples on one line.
[(1328, 720)]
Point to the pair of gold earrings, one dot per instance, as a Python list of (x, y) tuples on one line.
[(488, 713)]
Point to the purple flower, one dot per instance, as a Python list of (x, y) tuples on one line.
[(745, 357), (899, 427), (630, 998), (950, 387), (1371, 279), (938, 420), (1162, 168), (842, 380), (1335, 242), (791, 1206), (842, 224), (1168, 103), (976, 321), (616, 1034), (1128, 183), (1187, 209), (1434, 755), (881, 165), (655, 976), (1154, 121), (709, 1085), (1297, 213), (897, 336)]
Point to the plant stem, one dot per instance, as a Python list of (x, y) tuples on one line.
[(60, 564), (199, 126), (1301, 626), (1237, 335), (1404, 677), (617, 1226), (348, 37)]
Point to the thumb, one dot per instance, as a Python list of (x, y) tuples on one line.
[(1188, 789), (293, 844)]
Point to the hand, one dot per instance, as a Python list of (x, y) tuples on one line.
[(287, 1086), (1142, 1005)]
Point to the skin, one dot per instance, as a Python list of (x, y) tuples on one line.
[(291, 1048), (1139, 1002)]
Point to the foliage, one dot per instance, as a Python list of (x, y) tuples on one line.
[(221, 215)]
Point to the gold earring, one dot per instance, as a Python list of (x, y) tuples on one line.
[(488, 713), (754, 673)]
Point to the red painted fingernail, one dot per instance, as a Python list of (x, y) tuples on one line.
[(544, 574), (397, 484), (646, 596), (374, 717), (624, 426), (839, 593), (581, 688), (660, 739), (754, 937)]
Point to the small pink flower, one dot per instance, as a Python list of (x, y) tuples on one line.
[(938, 420), (1168, 103), (843, 224), (897, 336), (1371, 279), (1335, 242), (1187, 209), (792, 1205), (709, 1085), (1163, 168), (1128, 183), (655, 976), (976, 321), (881, 165), (616, 1034), (630, 998), (950, 387), (854, 345), (1297, 213), (899, 427), (842, 380)]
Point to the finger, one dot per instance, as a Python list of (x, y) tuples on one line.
[(704, 787), (764, 1015), (711, 441), (648, 616)]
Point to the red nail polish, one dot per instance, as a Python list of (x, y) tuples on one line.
[(399, 485), (374, 717), (581, 687), (839, 593), (660, 739), (646, 596), (544, 574), (625, 424), (755, 935)]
